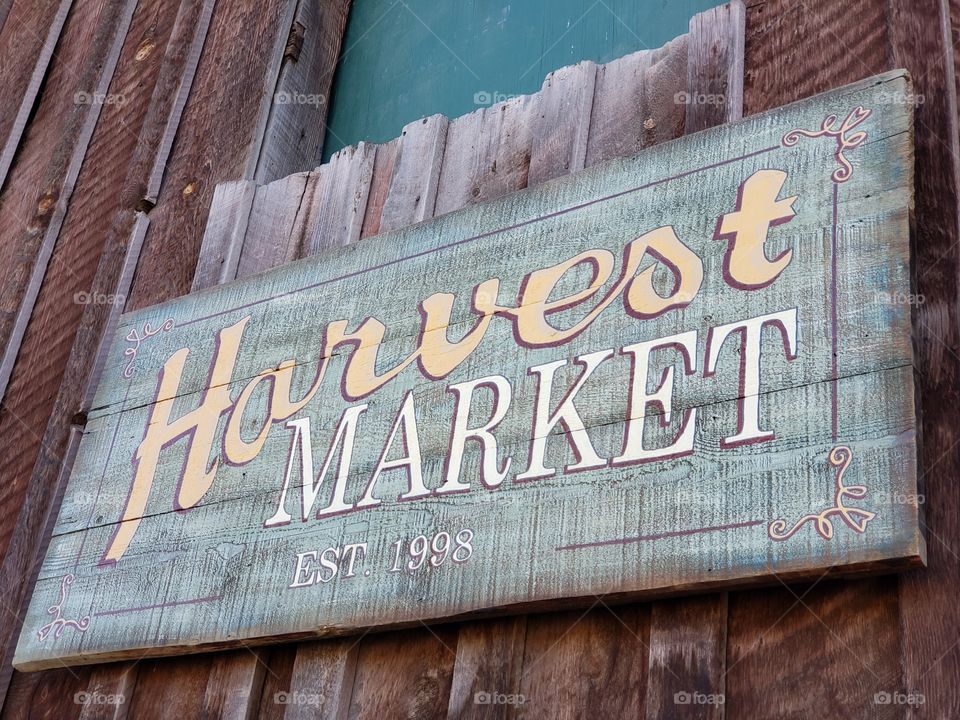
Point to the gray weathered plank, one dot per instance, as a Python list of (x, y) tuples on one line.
[(416, 173)]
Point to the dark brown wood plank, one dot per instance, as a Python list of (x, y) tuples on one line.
[(109, 691), (209, 150), (321, 682), (45, 695), (279, 661), (27, 44), (688, 641), (489, 661), (826, 648), (404, 674), (929, 612), (171, 688), (715, 67), (50, 161), (586, 662)]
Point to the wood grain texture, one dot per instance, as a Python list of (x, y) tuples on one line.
[(714, 92), (27, 44), (54, 168), (219, 140), (45, 695), (296, 128), (109, 692), (379, 187), (585, 662), (322, 680), (929, 615), (561, 122), (404, 674), (825, 648), (688, 641), (490, 657), (223, 236), (416, 173), (153, 71)]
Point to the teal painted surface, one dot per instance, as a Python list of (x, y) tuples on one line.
[(405, 60)]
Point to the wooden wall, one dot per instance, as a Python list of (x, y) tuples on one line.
[(181, 186)]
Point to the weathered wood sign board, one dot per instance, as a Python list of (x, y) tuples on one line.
[(686, 369)]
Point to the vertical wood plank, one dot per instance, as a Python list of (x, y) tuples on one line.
[(404, 674), (379, 187), (489, 661), (322, 680), (616, 128), (826, 648), (296, 127), (561, 122), (109, 692), (715, 67), (270, 239), (487, 154), (929, 613), (341, 199), (234, 684), (223, 236), (593, 661), (58, 175), (31, 37), (416, 173), (45, 695), (688, 642)]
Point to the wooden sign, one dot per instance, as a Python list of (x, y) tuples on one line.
[(690, 368)]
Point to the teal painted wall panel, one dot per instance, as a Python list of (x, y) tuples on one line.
[(406, 59)]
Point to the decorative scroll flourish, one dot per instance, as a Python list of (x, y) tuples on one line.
[(59, 623), (846, 140), (855, 518), (137, 339)]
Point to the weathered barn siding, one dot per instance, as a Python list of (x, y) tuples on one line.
[(134, 205)]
